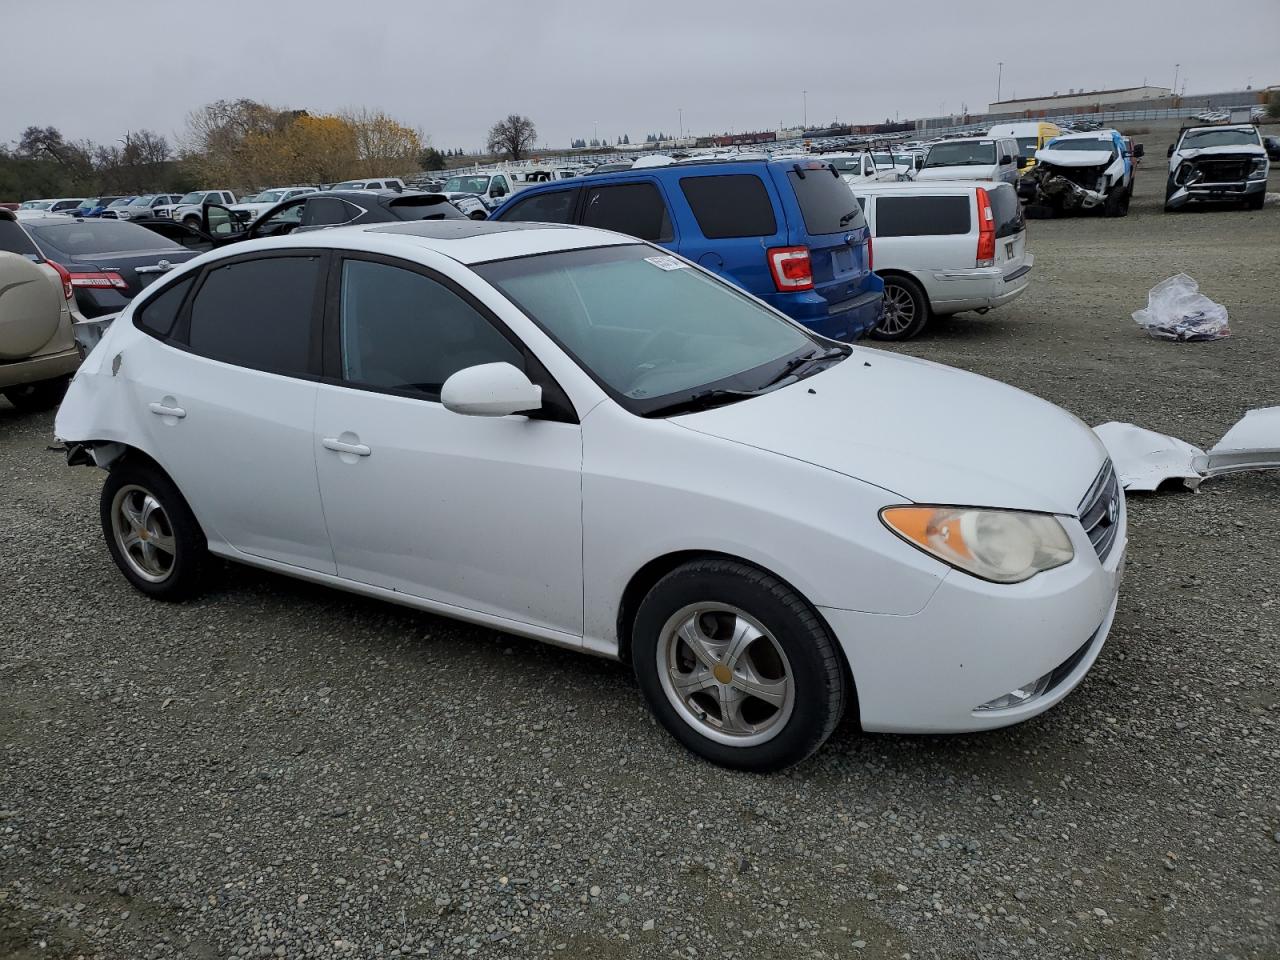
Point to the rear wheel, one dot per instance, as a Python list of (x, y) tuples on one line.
[(152, 534), (1117, 204), (737, 666), (33, 397), (906, 309)]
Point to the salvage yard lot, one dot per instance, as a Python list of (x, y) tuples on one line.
[(281, 770)]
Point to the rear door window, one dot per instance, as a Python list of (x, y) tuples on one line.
[(258, 313), (13, 239), (636, 209), (328, 212), (159, 314), (554, 206), (922, 216), (736, 205), (826, 202)]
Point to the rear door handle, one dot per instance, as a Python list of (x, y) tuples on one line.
[(341, 446), (163, 410)]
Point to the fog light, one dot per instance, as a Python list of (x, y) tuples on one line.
[(1017, 697)]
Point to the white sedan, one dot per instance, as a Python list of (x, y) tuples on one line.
[(570, 435)]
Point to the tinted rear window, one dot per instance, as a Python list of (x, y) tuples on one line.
[(425, 208), (736, 205), (1006, 210), (922, 216), (13, 239), (826, 201), (158, 314), (88, 238), (328, 212)]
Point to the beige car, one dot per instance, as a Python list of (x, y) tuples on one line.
[(38, 352)]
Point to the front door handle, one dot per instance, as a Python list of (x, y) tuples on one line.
[(341, 446), (165, 410)]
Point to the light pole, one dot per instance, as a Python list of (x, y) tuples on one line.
[(805, 122), (1176, 68), (596, 136), (999, 78), (681, 109)]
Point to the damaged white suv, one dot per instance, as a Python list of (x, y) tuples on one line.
[(1082, 171), (1217, 164)]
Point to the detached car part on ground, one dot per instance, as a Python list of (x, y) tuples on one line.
[(1215, 165), (1079, 172), (950, 564)]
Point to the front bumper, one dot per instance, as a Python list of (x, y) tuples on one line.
[(976, 641), (1216, 193)]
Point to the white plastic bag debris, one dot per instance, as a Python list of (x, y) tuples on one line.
[(1177, 310)]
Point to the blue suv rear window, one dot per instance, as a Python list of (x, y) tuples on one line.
[(736, 205), (825, 200)]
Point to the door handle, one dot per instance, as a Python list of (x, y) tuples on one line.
[(163, 410), (341, 446)]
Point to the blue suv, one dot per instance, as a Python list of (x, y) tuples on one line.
[(788, 231)]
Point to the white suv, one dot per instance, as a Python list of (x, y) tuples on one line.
[(942, 247), (186, 209)]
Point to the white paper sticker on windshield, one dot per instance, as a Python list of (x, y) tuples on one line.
[(667, 263)]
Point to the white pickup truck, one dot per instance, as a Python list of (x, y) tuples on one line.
[(187, 209), (491, 189)]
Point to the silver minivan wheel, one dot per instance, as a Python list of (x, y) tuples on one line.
[(143, 533), (725, 674)]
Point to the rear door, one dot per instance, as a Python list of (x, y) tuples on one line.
[(927, 234), (637, 208), (738, 219), (828, 220)]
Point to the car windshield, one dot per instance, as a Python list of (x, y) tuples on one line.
[(1027, 146), (142, 201), (348, 185), (466, 185), (268, 196), (846, 163), (194, 196), (962, 154), (35, 205), (653, 331), (1199, 139), (87, 238), (122, 202), (1083, 144)]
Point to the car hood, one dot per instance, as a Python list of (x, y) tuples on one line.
[(1230, 150), (925, 432), (1075, 158), (961, 172)]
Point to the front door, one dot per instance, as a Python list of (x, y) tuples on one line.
[(478, 513), (226, 387)]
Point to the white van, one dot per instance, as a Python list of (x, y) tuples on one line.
[(942, 247), (1031, 135), (972, 158)]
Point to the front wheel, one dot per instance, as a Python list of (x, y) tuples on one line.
[(906, 310), (192, 222), (152, 534), (1117, 204), (1255, 202), (737, 666)]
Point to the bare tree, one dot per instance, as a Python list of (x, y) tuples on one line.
[(514, 136)]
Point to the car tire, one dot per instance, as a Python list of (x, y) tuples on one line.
[(479, 215), (192, 222), (906, 309), (1117, 204), (754, 633), (151, 533), (34, 397)]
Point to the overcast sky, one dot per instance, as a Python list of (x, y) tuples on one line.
[(98, 68)]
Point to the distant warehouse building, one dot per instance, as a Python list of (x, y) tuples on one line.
[(1079, 100)]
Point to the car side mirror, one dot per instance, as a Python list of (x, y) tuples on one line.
[(1022, 163), (1170, 153), (217, 220), (1006, 159), (490, 390), (1139, 150)]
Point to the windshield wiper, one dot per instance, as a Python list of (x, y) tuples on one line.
[(795, 364), (703, 400)]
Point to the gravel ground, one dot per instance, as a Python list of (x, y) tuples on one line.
[(281, 771)]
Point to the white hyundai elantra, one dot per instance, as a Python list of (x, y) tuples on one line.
[(570, 435)]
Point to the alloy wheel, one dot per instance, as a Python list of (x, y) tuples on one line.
[(725, 674), (899, 310), (143, 533)]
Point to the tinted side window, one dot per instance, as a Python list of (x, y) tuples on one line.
[(159, 314), (13, 239), (730, 206), (327, 212), (553, 207), (922, 216), (636, 209), (258, 313), (404, 331)]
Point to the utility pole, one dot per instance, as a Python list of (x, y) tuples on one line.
[(999, 78), (1176, 68), (805, 95), (681, 109)]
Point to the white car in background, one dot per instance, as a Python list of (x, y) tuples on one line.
[(943, 247), (59, 205), (383, 183), (626, 456), (258, 204), (187, 208), (972, 158), (141, 208)]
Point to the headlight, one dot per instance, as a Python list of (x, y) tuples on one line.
[(1004, 546), (1259, 171)]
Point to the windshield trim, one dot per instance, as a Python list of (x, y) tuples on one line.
[(651, 407)]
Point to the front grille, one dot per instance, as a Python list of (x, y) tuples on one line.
[(1100, 511)]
